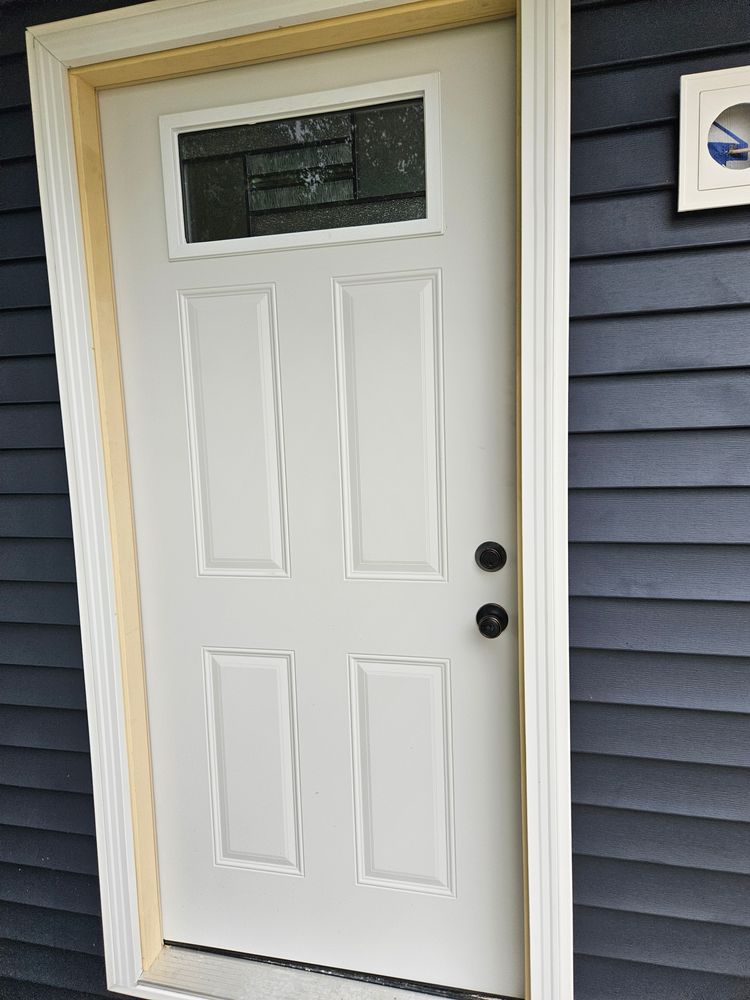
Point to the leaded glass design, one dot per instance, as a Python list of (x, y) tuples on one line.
[(340, 168)]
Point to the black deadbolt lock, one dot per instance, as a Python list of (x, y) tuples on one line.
[(492, 620), (491, 556)]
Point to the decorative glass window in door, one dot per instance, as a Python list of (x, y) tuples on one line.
[(354, 167)]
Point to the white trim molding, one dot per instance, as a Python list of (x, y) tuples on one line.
[(544, 182), (543, 219), (88, 498)]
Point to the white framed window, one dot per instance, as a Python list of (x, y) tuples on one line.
[(337, 166)]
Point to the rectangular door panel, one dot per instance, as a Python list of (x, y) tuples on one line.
[(389, 359), (252, 737), (233, 400), (402, 758)]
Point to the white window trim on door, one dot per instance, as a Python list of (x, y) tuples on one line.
[(544, 73), (172, 126)]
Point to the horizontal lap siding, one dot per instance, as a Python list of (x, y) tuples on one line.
[(660, 535), (50, 929), (659, 521)]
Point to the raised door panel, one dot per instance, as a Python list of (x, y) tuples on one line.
[(233, 398), (389, 361), (253, 750), (402, 762)]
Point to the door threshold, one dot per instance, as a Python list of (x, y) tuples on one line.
[(221, 975)]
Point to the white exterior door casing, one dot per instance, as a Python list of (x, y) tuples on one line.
[(319, 439)]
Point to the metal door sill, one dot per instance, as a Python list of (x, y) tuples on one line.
[(220, 976)]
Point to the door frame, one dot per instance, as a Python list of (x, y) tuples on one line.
[(68, 62)]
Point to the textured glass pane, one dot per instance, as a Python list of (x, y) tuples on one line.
[(313, 191), (305, 156), (327, 171), (390, 150), (215, 199), (337, 216)]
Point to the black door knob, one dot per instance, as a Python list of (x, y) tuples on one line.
[(492, 620), (491, 556)]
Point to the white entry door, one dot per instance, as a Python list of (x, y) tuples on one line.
[(315, 284)]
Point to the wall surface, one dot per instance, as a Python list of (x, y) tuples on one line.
[(660, 521), (660, 531)]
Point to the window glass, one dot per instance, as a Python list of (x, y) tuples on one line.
[(324, 171)]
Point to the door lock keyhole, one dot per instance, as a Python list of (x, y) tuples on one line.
[(490, 556), (492, 620)]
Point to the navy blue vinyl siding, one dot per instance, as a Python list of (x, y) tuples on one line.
[(659, 521), (50, 929), (660, 543)]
